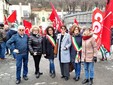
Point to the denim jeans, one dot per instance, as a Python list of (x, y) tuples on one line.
[(89, 69), (19, 59), (52, 66), (2, 50), (77, 67)]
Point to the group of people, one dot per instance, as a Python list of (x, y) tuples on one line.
[(74, 46)]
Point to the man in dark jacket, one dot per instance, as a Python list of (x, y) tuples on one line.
[(20, 42), (2, 42)]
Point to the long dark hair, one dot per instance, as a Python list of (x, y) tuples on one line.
[(47, 30)]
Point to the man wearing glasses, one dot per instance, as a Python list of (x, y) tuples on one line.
[(20, 42)]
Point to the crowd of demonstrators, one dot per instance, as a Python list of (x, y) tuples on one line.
[(36, 48), (49, 44), (75, 47)]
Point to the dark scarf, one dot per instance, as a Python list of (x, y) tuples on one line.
[(86, 37)]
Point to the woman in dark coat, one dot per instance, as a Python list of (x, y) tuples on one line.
[(49, 44), (36, 48), (76, 48)]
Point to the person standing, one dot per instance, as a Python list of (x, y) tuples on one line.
[(20, 42), (89, 55), (76, 49), (49, 44), (36, 48), (2, 42), (64, 43)]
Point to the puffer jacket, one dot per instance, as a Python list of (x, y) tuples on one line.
[(89, 49), (35, 44)]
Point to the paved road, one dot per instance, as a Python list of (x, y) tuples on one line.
[(103, 74)]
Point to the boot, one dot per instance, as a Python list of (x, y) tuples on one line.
[(91, 81), (85, 81)]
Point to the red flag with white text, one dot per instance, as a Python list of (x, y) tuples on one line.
[(57, 23), (97, 25), (106, 33)]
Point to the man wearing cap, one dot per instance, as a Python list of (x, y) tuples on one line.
[(20, 42)]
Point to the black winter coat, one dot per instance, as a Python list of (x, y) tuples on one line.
[(35, 44), (48, 48)]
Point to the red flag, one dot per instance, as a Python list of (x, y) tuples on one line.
[(75, 21), (12, 17), (97, 23), (28, 26), (107, 25), (57, 23), (5, 20), (52, 16)]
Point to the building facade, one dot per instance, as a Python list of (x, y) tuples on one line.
[(42, 16), (4, 7), (23, 11)]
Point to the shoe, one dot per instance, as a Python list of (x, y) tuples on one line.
[(102, 59), (66, 78), (25, 78), (77, 78), (85, 81), (40, 73), (37, 75), (53, 76), (18, 81), (62, 76), (90, 82)]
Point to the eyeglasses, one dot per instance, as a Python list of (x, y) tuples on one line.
[(21, 29)]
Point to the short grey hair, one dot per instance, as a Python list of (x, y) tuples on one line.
[(21, 26)]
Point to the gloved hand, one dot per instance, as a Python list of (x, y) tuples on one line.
[(95, 59), (16, 51), (55, 56)]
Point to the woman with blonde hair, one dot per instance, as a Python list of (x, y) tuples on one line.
[(75, 50), (89, 51), (36, 48)]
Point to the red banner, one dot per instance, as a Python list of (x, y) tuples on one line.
[(28, 26), (12, 17), (57, 23), (97, 25), (106, 33)]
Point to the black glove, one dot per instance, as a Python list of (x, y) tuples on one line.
[(95, 59), (55, 56)]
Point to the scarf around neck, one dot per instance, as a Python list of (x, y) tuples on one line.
[(86, 37)]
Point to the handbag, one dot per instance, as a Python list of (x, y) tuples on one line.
[(56, 49), (71, 67)]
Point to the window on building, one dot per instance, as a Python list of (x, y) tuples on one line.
[(43, 19), (25, 13)]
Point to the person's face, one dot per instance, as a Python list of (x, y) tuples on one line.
[(21, 31), (6, 27), (76, 31), (86, 32), (50, 31), (63, 29), (35, 31)]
